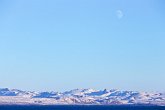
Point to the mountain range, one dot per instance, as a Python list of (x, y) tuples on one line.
[(81, 97)]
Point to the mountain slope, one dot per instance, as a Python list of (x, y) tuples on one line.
[(81, 96)]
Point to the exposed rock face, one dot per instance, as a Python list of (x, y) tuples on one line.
[(80, 96)]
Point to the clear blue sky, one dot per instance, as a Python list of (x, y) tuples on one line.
[(65, 44)]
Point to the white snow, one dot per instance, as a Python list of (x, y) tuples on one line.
[(80, 96)]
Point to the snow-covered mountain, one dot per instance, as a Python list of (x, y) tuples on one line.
[(81, 96)]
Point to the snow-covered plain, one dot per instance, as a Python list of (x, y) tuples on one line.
[(81, 97)]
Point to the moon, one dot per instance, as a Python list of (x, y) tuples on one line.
[(119, 14)]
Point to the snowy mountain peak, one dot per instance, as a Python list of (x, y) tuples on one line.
[(80, 96)]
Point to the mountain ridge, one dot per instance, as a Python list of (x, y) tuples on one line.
[(81, 97)]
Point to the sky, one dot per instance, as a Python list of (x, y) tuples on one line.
[(60, 45)]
